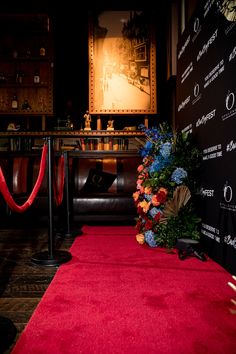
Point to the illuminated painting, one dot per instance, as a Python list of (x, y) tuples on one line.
[(122, 63)]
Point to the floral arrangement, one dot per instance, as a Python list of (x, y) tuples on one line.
[(165, 185)]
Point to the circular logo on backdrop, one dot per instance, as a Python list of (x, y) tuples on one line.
[(228, 193), (196, 25), (196, 90), (230, 100)]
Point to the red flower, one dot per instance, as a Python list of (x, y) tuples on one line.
[(161, 196), (157, 217), (149, 224)]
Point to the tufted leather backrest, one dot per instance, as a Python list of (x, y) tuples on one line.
[(124, 167)]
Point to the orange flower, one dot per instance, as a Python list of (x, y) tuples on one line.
[(144, 205), (136, 195), (155, 200), (140, 238), (148, 190)]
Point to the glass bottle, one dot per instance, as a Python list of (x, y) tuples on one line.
[(42, 51), (36, 77), (14, 102), (19, 77)]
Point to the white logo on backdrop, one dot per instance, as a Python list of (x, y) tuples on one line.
[(196, 25), (230, 241), (196, 91), (207, 192), (183, 103), (184, 46), (230, 27), (214, 73), (188, 129), (210, 232), (232, 54), (228, 196), (229, 105), (228, 193), (230, 100), (231, 146), (196, 28), (212, 152), (186, 72), (206, 118), (207, 6), (207, 45)]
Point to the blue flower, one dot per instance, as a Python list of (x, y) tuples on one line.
[(165, 149), (158, 164), (149, 238), (155, 166), (178, 175), (146, 150), (154, 211), (148, 197)]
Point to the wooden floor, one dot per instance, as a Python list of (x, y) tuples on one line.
[(22, 283)]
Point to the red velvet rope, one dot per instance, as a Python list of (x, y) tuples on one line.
[(7, 195), (58, 185)]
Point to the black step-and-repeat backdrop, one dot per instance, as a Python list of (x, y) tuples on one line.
[(206, 107)]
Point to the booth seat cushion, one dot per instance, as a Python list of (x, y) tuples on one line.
[(108, 203)]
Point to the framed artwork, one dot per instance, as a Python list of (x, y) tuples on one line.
[(122, 63)]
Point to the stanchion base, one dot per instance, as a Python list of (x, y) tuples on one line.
[(44, 259), (68, 234), (72, 234), (8, 333)]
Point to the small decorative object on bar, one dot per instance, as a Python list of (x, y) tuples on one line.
[(12, 127), (110, 124), (165, 188), (87, 121)]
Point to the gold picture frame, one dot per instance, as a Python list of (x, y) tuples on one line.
[(122, 63)]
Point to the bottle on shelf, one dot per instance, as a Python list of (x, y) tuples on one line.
[(36, 77), (42, 51), (26, 105), (2, 78), (19, 77), (28, 52), (14, 102), (15, 54)]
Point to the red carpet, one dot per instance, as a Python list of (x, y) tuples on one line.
[(118, 297)]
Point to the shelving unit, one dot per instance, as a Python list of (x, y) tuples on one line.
[(26, 67), (73, 140)]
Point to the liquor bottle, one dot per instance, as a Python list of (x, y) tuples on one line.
[(2, 78), (26, 105), (36, 77), (28, 52), (19, 77), (14, 102), (42, 51)]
